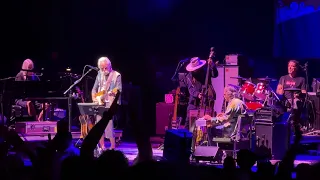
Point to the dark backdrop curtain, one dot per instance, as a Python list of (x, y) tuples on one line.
[(297, 30)]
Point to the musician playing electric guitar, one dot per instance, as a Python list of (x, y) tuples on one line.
[(226, 121), (106, 85)]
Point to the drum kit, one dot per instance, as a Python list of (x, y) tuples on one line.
[(257, 95)]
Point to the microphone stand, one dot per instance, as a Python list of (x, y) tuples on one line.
[(305, 69), (70, 96), (179, 66)]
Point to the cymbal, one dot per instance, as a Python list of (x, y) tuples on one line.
[(266, 79), (292, 89), (235, 86), (239, 78)]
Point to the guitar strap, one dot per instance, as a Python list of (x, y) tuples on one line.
[(108, 83)]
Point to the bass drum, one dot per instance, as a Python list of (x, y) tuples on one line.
[(254, 105)]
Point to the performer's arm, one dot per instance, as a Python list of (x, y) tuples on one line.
[(118, 84), (19, 77), (95, 89), (192, 90), (280, 86)]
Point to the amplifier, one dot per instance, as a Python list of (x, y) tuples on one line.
[(163, 114), (264, 114), (36, 128), (273, 136)]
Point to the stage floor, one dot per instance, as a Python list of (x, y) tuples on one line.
[(130, 150)]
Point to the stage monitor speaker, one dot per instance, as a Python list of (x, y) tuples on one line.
[(208, 153), (177, 145), (163, 112), (274, 136)]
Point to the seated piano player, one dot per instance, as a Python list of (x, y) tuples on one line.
[(25, 75), (225, 122)]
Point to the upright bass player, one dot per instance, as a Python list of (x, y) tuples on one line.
[(197, 71)]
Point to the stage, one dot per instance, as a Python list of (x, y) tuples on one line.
[(130, 149)]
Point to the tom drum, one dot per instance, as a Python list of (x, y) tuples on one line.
[(247, 90), (261, 92)]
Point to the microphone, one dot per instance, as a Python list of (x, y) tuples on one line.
[(184, 60), (94, 68)]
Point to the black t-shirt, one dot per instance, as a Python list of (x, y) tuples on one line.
[(289, 82)]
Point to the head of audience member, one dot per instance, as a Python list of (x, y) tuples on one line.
[(303, 171), (27, 65), (246, 159), (105, 66), (229, 93), (229, 163), (63, 138), (293, 67)]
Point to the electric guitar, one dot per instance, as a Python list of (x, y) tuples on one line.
[(103, 97), (174, 122)]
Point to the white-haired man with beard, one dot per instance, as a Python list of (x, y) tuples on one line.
[(228, 119), (107, 81)]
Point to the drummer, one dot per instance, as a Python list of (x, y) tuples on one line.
[(292, 80)]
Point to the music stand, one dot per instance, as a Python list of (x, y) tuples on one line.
[(91, 109)]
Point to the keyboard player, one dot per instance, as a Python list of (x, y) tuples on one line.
[(225, 122), (106, 82), (26, 74)]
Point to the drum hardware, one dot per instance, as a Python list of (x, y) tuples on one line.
[(266, 79), (234, 86), (292, 91), (240, 80)]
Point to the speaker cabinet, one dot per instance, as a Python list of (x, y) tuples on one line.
[(177, 145), (274, 136), (224, 78)]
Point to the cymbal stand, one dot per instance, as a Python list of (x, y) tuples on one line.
[(305, 105), (291, 110)]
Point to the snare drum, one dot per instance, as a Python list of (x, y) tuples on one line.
[(261, 92), (247, 90), (254, 105)]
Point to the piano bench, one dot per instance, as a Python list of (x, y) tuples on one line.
[(228, 145)]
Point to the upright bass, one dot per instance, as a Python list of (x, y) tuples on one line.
[(206, 102)]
